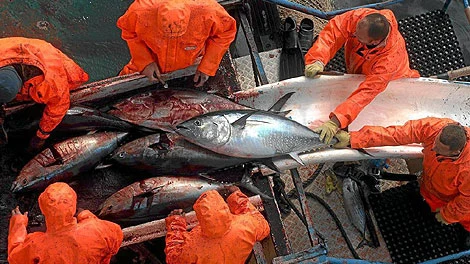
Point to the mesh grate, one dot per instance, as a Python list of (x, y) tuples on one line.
[(409, 228)]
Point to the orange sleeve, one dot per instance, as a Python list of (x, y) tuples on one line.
[(223, 31), (57, 101), (413, 131), (17, 232), (330, 40), (459, 208), (141, 56), (175, 238), (239, 204)]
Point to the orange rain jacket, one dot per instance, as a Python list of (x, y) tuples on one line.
[(382, 64), (85, 239), (60, 75), (155, 33), (225, 234), (445, 184)]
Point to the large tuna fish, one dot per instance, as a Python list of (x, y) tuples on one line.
[(163, 109), (250, 134), (170, 154), (154, 198), (66, 159)]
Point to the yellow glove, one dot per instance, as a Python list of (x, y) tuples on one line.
[(312, 69), (439, 218), (327, 131), (344, 139)]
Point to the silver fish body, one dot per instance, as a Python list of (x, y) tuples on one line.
[(353, 205), (170, 154), (154, 198), (66, 159), (264, 135)]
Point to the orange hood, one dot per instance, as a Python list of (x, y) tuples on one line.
[(173, 18), (58, 204), (213, 214)]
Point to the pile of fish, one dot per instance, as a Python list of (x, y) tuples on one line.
[(188, 138)]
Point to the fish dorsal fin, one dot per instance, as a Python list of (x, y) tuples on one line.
[(277, 106), (241, 122), (296, 157)]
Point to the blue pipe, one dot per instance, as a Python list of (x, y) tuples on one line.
[(352, 261), (330, 14), (446, 258), (465, 3)]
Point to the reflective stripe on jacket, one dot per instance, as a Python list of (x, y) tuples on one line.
[(208, 31), (381, 64), (85, 239), (447, 181), (225, 234), (60, 75)]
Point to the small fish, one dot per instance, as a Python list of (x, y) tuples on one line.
[(355, 208)]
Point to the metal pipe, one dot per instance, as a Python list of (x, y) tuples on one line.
[(446, 5), (330, 14), (446, 258)]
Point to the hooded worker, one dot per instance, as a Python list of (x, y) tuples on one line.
[(32, 69), (225, 234), (164, 36), (445, 182), (84, 239), (372, 46)]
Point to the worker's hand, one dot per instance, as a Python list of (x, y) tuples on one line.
[(17, 211), (344, 139), (200, 78), (153, 73), (327, 131), (439, 218), (177, 212), (35, 145), (312, 69)]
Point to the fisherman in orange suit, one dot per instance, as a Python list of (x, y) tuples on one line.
[(168, 35), (372, 46), (225, 234), (445, 182), (32, 69), (84, 239)]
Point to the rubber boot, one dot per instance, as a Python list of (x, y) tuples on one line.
[(290, 39), (306, 35)]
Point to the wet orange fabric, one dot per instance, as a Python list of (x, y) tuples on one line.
[(85, 239), (445, 184), (60, 75), (382, 64), (174, 33), (225, 234)]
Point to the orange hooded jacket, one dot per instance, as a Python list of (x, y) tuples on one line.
[(85, 239), (445, 184), (52, 88), (382, 64), (225, 234), (174, 33)]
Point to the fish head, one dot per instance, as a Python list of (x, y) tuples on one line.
[(33, 173), (210, 130), (350, 186), (118, 205)]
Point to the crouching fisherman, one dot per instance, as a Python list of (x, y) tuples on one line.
[(225, 234), (32, 69), (84, 239)]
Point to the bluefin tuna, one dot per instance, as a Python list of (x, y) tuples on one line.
[(163, 109), (64, 160), (154, 198), (170, 154), (354, 207), (250, 134)]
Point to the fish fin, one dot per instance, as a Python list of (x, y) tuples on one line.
[(364, 242), (296, 157), (248, 184), (277, 106), (363, 151), (241, 122), (103, 166), (206, 176)]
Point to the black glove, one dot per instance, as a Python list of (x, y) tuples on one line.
[(35, 145)]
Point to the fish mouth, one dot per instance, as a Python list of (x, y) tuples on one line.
[(181, 127), (15, 187)]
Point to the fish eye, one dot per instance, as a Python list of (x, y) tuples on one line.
[(197, 123), (122, 154), (25, 181)]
